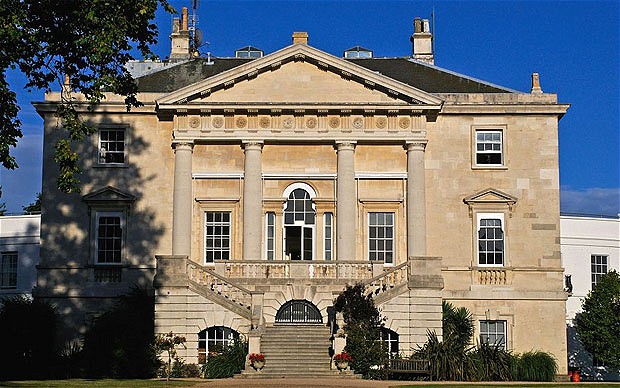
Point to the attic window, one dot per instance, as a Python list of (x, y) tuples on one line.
[(357, 52), (249, 52)]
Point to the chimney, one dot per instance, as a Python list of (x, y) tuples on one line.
[(422, 41), (180, 37), (300, 38), (536, 89)]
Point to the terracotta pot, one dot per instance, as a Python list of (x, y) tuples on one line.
[(342, 365)]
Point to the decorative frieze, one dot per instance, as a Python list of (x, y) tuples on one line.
[(301, 120)]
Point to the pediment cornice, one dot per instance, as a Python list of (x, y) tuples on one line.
[(490, 197), (109, 195), (404, 96)]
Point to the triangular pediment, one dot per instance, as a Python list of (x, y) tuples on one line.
[(490, 196), (108, 194), (300, 75)]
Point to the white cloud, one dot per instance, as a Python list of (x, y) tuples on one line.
[(596, 201)]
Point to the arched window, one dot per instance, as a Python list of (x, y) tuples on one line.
[(299, 222), (299, 207), (214, 340), (390, 338), (298, 311)]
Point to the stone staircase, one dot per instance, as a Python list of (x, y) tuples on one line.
[(296, 350)]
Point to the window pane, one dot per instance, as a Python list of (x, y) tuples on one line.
[(217, 236)]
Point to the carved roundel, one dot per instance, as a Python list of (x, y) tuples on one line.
[(311, 122), (334, 122), (381, 122), (264, 122), (404, 122), (241, 122), (287, 123), (358, 123), (194, 122), (218, 122)]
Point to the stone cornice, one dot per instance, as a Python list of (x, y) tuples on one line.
[(532, 109)]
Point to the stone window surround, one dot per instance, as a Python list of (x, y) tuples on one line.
[(490, 216), (218, 205), (381, 206), (495, 315), (126, 140), (503, 128)]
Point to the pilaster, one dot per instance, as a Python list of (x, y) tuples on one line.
[(416, 199), (252, 200), (346, 198), (182, 198)]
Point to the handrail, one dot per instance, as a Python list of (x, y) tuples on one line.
[(385, 274), (220, 277)]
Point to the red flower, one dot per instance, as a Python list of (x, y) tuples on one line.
[(257, 357), (344, 356)]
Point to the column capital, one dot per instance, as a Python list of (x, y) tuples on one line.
[(416, 145), (252, 144), (341, 145), (185, 144)]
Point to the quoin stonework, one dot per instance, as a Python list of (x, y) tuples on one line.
[(247, 192)]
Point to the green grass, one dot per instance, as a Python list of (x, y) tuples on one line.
[(511, 385), (105, 383)]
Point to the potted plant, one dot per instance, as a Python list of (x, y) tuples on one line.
[(257, 361), (342, 360)]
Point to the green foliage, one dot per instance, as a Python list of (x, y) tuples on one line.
[(34, 206), (120, 342), (89, 41), (447, 359), (227, 363), (457, 325), (490, 362), (28, 330), (598, 325), (168, 343), (363, 323), (534, 366)]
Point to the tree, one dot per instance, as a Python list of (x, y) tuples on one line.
[(87, 41), (363, 323), (168, 343), (2, 204), (598, 325), (34, 206), (28, 328)]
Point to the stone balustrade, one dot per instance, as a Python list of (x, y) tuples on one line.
[(219, 284), (492, 276), (288, 269)]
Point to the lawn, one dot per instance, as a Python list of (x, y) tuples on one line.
[(512, 385), (105, 383)]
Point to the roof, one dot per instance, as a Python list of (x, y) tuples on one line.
[(428, 78)]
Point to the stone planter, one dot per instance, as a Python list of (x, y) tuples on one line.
[(342, 365), (258, 365)]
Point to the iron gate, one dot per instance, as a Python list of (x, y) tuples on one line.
[(298, 311)]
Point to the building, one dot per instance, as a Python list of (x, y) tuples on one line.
[(590, 248), (249, 191), (19, 254)]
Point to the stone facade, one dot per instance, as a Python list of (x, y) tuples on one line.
[(287, 177)]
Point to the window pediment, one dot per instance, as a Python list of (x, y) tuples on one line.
[(490, 199), (109, 196)]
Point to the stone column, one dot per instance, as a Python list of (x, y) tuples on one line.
[(345, 205), (182, 199), (416, 199), (252, 200)]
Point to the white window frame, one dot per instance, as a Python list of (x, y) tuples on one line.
[(383, 239), (500, 130), (102, 150), (596, 263), (220, 249), (484, 335), (270, 226), (9, 270), (490, 216), (121, 216), (227, 338), (328, 236)]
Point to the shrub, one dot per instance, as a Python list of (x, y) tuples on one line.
[(228, 363), (448, 359), (120, 342), (535, 366), (363, 323), (490, 362), (28, 328)]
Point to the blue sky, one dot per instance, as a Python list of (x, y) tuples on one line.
[(573, 45)]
